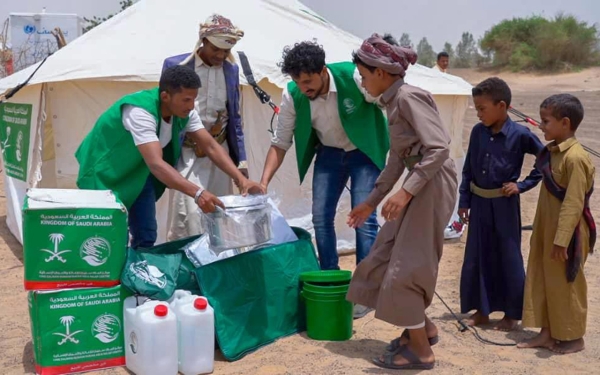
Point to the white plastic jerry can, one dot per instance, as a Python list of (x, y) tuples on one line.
[(196, 331), (150, 337), (178, 295)]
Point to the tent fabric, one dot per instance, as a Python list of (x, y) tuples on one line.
[(132, 45), (125, 54)]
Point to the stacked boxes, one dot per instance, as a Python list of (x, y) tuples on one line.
[(77, 330), (73, 238), (74, 244)]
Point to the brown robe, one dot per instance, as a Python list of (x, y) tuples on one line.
[(398, 277), (550, 300)]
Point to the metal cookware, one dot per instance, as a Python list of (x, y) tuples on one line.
[(245, 222)]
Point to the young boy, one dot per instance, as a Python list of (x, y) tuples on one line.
[(563, 233), (493, 276)]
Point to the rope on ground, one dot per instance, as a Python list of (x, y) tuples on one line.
[(535, 123), (463, 327), (367, 322)]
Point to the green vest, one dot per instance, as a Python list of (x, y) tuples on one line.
[(108, 158), (364, 123)]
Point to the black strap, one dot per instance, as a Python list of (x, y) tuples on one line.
[(14, 90), (260, 93)]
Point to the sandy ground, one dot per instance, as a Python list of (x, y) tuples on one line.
[(457, 353)]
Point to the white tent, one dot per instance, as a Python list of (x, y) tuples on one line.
[(125, 54)]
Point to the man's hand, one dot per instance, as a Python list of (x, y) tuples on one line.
[(265, 186), (510, 188), (392, 208), (359, 214), (559, 253), (208, 202), (463, 214), (248, 186)]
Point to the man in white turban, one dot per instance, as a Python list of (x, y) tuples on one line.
[(218, 104)]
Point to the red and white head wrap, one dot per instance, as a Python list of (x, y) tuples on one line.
[(393, 59)]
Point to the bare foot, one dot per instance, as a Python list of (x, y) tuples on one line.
[(568, 347), (477, 319), (506, 324), (542, 340)]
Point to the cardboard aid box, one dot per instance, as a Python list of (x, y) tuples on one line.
[(73, 238), (77, 330)]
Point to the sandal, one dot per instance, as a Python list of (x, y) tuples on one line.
[(395, 343), (414, 363)]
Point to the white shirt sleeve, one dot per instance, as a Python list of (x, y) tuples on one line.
[(194, 124), (140, 123), (286, 123)]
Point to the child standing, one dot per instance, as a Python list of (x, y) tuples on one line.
[(493, 276), (563, 233), (398, 276)]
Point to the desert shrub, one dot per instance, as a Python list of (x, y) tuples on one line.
[(536, 43)]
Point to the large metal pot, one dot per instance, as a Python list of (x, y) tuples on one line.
[(246, 221)]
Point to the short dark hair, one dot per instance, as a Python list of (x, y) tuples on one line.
[(495, 88), (442, 54), (390, 39), (305, 57), (178, 77), (565, 105)]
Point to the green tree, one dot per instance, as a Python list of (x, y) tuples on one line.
[(95, 21), (537, 43), (449, 50), (405, 41), (426, 55), (466, 51)]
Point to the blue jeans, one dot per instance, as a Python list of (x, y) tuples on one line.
[(142, 218), (333, 168)]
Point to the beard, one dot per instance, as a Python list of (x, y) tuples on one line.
[(318, 92)]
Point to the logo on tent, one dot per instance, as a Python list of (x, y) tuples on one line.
[(95, 251), (106, 328), (29, 29), (18, 154), (5, 144)]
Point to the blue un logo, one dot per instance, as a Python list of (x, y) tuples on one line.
[(29, 29)]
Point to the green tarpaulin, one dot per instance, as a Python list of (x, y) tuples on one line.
[(256, 295)]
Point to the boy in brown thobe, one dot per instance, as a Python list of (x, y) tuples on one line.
[(563, 233), (398, 276)]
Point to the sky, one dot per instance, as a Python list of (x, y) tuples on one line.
[(438, 20)]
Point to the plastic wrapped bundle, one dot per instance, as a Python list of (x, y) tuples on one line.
[(244, 223), (200, 254)]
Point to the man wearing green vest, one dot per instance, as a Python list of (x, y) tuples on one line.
[(325, 112), (134, 145)]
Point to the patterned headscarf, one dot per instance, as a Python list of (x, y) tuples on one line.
[(219, 31), (375, 51)]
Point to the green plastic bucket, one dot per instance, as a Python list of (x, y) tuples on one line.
[(325, 289), (329, 316), (333, 277)]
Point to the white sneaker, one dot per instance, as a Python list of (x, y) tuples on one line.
[(454, 230), (360, 311)]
